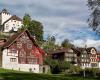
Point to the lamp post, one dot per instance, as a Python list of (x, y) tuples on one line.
[(84, 73)]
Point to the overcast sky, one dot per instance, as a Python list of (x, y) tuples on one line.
[(65, 19)]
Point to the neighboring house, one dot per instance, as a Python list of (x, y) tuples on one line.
[(8, 22), (86, 57), (98, 58), (64, 55), (21, 52)]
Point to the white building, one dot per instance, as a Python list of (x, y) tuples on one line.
[(9, 22)]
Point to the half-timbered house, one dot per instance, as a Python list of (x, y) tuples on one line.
[(21, 52), (86, 57), (64, 54)]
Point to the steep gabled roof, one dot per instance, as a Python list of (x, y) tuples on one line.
[(15, 36), (89, 49), (81, 50), (14, 17), (62, 50)]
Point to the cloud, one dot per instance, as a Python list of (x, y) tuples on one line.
[(65, 19), (88, 42)]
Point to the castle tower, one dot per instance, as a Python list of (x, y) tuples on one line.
[(4, 15)]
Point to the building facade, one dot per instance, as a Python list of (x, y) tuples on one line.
[(86, 57), (65, 55), (9, 22), (21, 52)]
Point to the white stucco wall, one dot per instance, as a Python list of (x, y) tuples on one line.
[(4, 17), (12, 24), (98, 64), (16, 66)]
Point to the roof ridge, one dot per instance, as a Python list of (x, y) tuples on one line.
[(14, 17)]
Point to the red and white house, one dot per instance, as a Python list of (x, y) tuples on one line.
[(21, 52)]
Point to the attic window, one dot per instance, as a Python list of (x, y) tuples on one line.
[(93, 51), (19, 45), (23, 39), (29, 45)]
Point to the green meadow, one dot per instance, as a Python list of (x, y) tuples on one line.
[(16, 75)]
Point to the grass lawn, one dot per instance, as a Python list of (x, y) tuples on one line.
[(15, 75)]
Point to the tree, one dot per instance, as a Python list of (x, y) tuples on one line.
[(57, 66), (26, 20), (54, 65), (94, 20), (75, 69), (66, 44), (34, 27), (49, 44), (64, 65)]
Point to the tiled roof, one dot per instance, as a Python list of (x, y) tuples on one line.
[(15, 36), (80, 50), (89, 49), (14, 17), (63, 50)]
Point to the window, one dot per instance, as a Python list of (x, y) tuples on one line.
[(93, 51), (13, 24), (14, 21), (6, 26), (82, 55), (19, 45), (29, 45), (94, 64), (13, 60), (22, 57), (14, 50), (23, 39), (32, 60), (22, 53), (82, 60), (22, 60)]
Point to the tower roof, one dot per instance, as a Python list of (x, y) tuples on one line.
[(5, 11)]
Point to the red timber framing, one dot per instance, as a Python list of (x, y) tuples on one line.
[(23, 46)]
